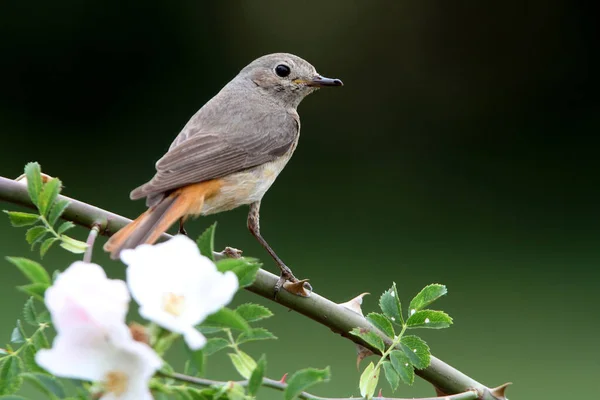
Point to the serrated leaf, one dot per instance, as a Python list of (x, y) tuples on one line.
[(245, 268), (429, 319), (403, 366), (370, 337), (32, 270), (16, 337), (19, 219), (206, 242), (426, 296), (253, 312), (416, 350), (46, 245), (28, 356), (58, 208), (303, 379), (35, 233), (65, 226), (390, 305), (47, 384), (33, 172), (391, 375), (29, 313), (36, 290), (214, 345), (72, 245), (256, 378), (10, 379), (368, 381), (48, 195), (255, 334), (226, 318), (382, 323), (243, 363)]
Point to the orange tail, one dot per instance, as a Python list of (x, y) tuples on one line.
[(149, 226)]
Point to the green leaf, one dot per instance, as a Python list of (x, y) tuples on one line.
[(368, 381), (256, 378), (206, 242), (19, 219), (253, 312), (428, 295), (303, 379), (49, 193), (429, 319), (391, 375), (16, 337), (243, 363), (226, 318), (32, 270), (390, 305), (57, 210), (10, 379), (403, 366), (36, 290), (35, 233), (72, 245), (416, 350), (47, 384), (214, 345), (65, 226), (370, 337), (39, 340), (198, 360), (28, 356), (245, 268), (46, 245), (33, 173), (29, 313), (255, 334), (382, 323)]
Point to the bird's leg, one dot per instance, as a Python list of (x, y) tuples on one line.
[(181, 228), (254, 227)]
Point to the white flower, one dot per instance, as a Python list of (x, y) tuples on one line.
[(176, 287), (93, 343)]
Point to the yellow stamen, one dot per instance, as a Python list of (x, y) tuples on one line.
[(173, 304), (116, 382)]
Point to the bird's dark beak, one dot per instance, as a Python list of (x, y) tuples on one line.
[(321, 81)]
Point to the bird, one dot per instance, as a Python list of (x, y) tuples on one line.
[(228, 154)]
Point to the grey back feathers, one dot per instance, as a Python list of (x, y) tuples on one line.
[(251, 121)]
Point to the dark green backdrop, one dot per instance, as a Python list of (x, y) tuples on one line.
[(463, 149)]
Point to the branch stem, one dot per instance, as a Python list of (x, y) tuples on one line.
[(278, 385), (444, 377)]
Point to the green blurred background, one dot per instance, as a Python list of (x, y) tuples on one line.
[(463, 149)]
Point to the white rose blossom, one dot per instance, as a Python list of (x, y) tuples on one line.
[(93, 343), (177, 287)]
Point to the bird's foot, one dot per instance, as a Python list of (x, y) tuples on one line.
[(289, 282), (182, 230)]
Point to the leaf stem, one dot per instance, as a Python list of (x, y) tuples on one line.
[(278, 385), (391, 347)]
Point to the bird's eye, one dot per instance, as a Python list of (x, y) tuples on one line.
[(282, 70)]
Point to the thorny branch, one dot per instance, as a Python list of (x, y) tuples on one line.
[(445, 378)]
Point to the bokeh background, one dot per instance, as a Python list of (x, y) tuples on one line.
[(463, 149)]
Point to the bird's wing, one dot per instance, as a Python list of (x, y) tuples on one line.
[(211, 154)]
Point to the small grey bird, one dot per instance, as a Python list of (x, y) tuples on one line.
[(229, 153)]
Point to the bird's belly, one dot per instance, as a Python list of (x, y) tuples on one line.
[(244, 187)]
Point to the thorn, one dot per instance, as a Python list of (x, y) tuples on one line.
[(139, 333), (498, 392), (300, 288), (362, 353), (231, 252), (379, 394), (439, 393), (45, 178), (283, 378), (354, 304)]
